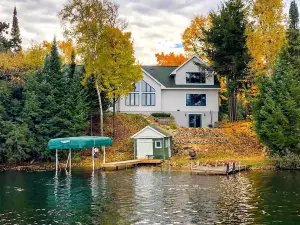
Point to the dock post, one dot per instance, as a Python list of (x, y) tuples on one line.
[(104, 155), (93, 158), (233, 167), (56, 161), (227, 168), (70, 163)]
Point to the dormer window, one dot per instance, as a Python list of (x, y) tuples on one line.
[(195, 78)]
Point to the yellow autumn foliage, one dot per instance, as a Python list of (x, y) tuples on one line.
[(190, 37), (266, 34)]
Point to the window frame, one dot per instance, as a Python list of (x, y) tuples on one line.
[(128, 102), (200, 73), (138, 90), (158, 141), (149, 91), (186, 101)]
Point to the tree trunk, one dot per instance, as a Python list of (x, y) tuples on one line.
[(100, 108), (101, 119), (114, 116), (232, 106)]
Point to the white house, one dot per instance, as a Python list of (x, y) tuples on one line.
[(189, 93)]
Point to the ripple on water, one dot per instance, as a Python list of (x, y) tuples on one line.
[(147, 196)]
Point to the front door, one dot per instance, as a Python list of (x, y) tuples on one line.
[(195, 120), (144, 148)]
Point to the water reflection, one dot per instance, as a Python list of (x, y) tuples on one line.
[(148, 196), (235, 205)]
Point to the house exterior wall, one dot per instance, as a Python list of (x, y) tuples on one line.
[(174, 101), (122, 107), (190, 66)]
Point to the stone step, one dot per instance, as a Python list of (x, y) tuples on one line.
[(201, 132), (202, 141)]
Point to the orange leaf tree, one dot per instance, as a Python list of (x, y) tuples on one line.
[(191, 37), (66, 48), (170, 59)]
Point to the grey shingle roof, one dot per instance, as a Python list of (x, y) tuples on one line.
[(162, 74), (160, 130)]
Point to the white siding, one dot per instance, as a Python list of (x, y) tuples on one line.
[(122, 107), (180, 77), (174, 100), (148, 133)]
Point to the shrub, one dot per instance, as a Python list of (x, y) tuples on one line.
[(287, 161), (161, 114), (173, 126)]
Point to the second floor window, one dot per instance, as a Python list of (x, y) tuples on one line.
[(144, 91), (196, 100), (195, 78)]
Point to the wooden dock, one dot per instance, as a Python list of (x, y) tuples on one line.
[(218, 170), (130, 163)]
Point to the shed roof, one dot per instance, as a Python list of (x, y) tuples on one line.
[(154, 128), (160, 130)]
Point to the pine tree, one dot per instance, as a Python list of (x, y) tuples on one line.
[(77, 106), (277, 110), (15, 40), (293, 37), (4, 43), (229, 53), (44, 111)]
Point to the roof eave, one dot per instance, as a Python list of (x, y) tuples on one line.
[(195, 55)]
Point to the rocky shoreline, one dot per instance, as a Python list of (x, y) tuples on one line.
[(27, 167)]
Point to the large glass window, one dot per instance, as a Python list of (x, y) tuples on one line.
[(196, 100), (196, 78), (133, 99), (143, 90), (148, 94), (148, 99), (146, 87)]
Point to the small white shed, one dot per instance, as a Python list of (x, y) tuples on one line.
[(152, 142)]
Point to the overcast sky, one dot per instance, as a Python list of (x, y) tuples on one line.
[(156, 25)]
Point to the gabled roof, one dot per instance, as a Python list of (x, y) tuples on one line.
[(162, 75), (194, 56), (160, 130), (154, 128)]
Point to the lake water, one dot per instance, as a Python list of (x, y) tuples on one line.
[(149, 196)]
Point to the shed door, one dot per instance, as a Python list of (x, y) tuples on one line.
[(144, 148)]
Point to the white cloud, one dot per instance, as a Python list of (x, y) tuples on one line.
[(156, 25)]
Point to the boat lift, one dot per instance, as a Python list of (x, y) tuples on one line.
[(83, 142)]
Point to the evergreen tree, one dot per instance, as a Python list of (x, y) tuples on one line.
[(14, 133), (293, 16), (15, 41), (229, 53), (77, 99), (44, 109), (4, 42), (277, 110), (293, 37)]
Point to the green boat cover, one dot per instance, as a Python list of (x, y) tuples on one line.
[(79, 142)]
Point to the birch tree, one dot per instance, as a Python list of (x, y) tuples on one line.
[(84, 21)]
